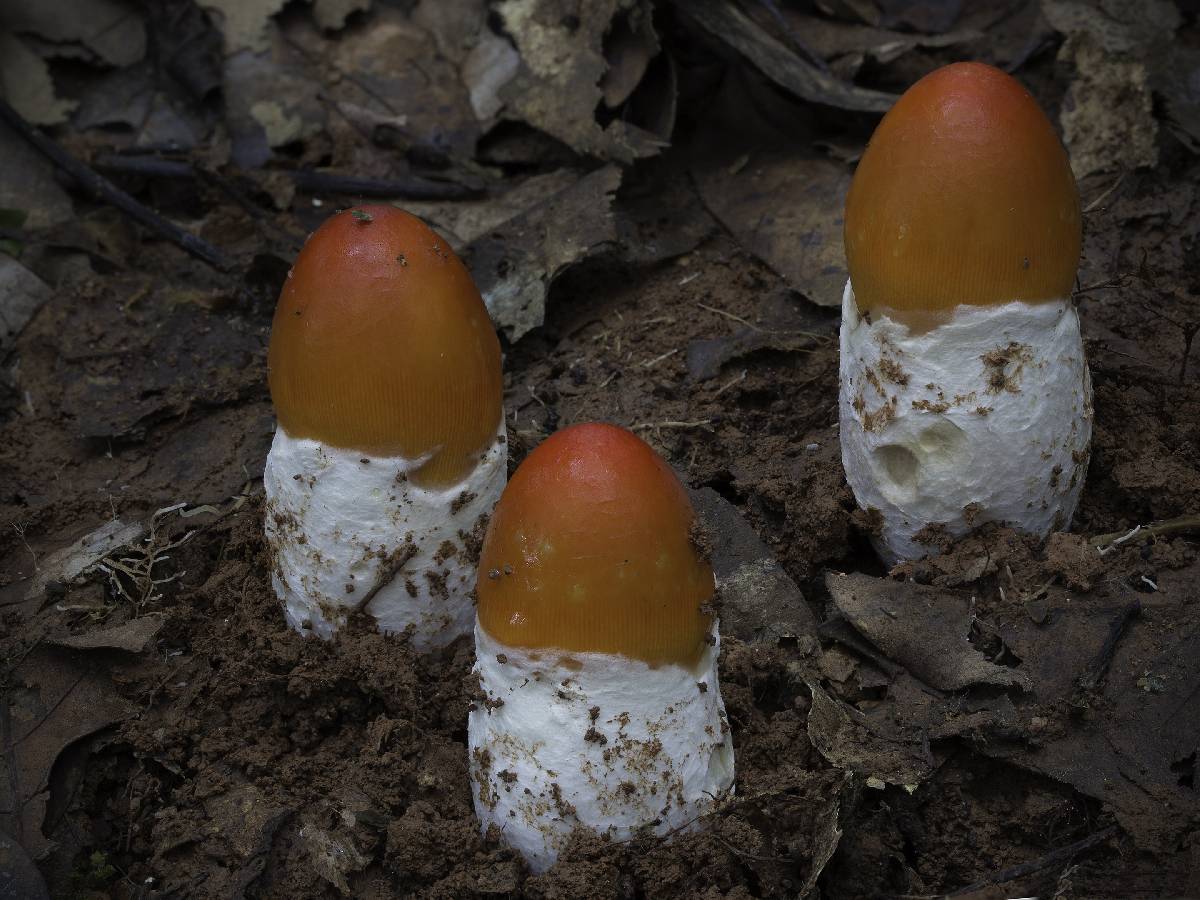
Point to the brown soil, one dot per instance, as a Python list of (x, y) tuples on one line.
[(227, 757)]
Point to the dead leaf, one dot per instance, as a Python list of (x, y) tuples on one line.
[(844, 737), (827, 836), (188, 45), (132, 636), (333, 855), (846, 47), (782, 324), (490, 65), (785, 208), (244, 22), (661, 216), (26, 84), (112, 29), (331, 15), (931, 16), (19, 875), (244, 819), (243, 824), (515, 264), (1179, 82), (629, 46), (65, 565), (556, 87), (27, 183), (56, 700), (1108, 114), (461, 222), (1130, 743), (390, 66), (725, 22), (923, 628), (456, 25), (272, 99), (21, 295), (759, 600)]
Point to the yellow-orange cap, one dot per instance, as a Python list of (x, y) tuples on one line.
[(964, 195), (382, 344), (589, 550)]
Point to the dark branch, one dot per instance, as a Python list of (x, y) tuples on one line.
[(103, 189), (412, 188), (1053, 858)]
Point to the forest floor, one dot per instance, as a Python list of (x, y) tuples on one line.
[(649, 196)]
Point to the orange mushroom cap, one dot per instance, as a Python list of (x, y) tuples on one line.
[(589, 550), (382, 344), (964, 196)]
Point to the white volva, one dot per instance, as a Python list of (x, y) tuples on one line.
[(984, 418), (601, 742), (348, 531)]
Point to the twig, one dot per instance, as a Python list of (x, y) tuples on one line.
[(1095, 671), (1115, 282), (1105, 542), (701, 423), (652, 362), (731, 383), (1053, 858), (1095, 204), (411, 188), (753, 327), (103, 189)]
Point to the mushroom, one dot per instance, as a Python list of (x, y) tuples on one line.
[(965, 394), (390, 448), (596, 651)]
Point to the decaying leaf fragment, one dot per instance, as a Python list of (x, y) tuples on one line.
[(786, 208), (113, 30), (847, 740), (59, 699), (26, 84), (922, 628), (1108, 114), (759, 600), (515, 263), (21, 295), (332, 14), (244, 22), (557, 85), (724, 21)]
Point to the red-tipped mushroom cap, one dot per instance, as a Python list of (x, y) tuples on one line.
[(964, 195), (589, 550), (382, 344)]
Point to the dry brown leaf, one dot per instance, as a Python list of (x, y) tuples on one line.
[(244, 22), (331, 15), (923, 628), (1108, 114), (557, 87), (786, 209), (112, 29), (61, 700), (515, 264), (26, 84)]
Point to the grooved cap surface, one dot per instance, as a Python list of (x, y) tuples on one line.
[(382, 344), (589, 550), (963, 195)]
